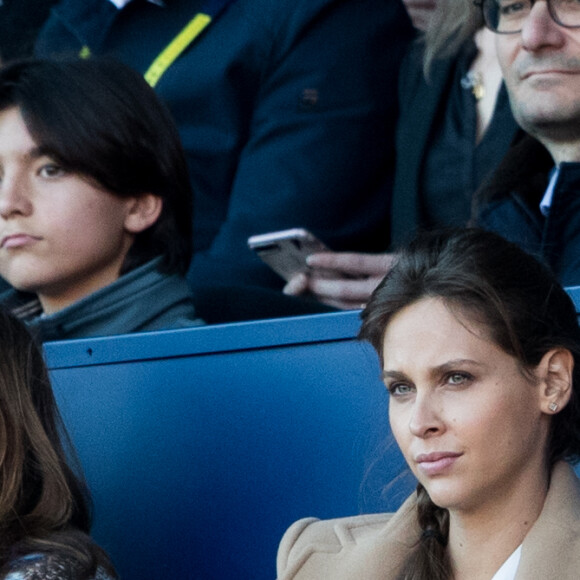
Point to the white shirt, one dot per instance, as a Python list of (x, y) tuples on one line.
[(549, 194), (122, 3), (510, 566)]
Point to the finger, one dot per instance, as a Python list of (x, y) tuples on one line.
[(296, 286), (347, 291), (353, 264), (344, 305)]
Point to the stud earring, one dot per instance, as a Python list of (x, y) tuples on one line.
[(553, 407)]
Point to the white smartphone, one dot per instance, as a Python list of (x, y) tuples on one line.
[(286, 251)]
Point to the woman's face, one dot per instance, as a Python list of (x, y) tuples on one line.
[(467, 420)]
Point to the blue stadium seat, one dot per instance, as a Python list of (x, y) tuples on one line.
[(574, 292), (202, 445)]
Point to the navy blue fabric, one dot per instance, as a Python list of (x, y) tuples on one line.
[(512, 209), (214, 7), (286, 110), (20, 21)]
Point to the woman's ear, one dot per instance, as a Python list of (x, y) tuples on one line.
[(555, 373), (143, 212)]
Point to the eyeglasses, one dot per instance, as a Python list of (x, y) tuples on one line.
[(508, 16)]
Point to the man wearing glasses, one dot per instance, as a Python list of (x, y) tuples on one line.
[(534, 196)]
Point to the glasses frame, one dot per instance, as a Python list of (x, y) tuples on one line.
[(480, 3)]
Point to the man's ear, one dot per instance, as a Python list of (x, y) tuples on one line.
[(143, 212), (555, 373)]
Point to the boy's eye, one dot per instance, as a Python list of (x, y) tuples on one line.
[(51, 170)]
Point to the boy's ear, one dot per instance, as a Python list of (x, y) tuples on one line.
[(555, 372), (143, 212)]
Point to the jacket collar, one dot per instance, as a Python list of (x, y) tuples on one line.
[(551, 548), (359, 550), (131, 303)]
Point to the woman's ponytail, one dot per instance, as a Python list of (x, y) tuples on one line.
[(429, 560)]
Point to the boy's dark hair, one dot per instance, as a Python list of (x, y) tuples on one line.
[(100, 119)]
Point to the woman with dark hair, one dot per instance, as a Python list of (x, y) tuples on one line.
[(95, 201), (44, 505), (480, 352)]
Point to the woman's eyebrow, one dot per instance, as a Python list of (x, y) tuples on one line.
[(436, 370), (453, 364), (393, 375)]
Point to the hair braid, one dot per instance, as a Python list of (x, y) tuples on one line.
[(429, 559)]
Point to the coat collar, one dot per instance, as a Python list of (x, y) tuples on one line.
[(366, 548), (552, 547)]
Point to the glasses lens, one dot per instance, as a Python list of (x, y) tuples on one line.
[(506, 15), (566, 12)]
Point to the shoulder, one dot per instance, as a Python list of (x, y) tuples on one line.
[(551, 549), (526, 162), (38, 566), (313, 535), (288, 18)]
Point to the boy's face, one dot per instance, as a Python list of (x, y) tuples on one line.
[(61, 236)]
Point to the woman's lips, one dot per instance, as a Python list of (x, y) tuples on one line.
[(436, 463)]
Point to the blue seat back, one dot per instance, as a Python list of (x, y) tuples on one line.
[(201, 446)]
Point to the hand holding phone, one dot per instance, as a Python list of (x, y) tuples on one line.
[(286, 251)]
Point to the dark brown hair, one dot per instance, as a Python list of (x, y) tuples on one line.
[(453, 22), (100, 119), (526, 313), (44, 503)]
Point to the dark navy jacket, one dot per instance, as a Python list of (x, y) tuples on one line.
[(509, 206), (422, 102), (286, 109)]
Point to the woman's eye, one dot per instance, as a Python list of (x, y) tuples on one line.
[(399, 389), (458, 378)]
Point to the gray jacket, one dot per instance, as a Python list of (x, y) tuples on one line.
[(142, 300)]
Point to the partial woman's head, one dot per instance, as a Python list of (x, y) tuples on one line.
[(493, 285), (35, 481), (43, 504), (451, 25), (101, 120)]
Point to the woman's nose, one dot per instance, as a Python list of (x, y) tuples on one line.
[(425, 419)]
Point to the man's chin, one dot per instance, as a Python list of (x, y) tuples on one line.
[(549, 123)]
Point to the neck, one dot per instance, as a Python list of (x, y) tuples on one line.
[(563, 152), (562, 140), (482, 540)]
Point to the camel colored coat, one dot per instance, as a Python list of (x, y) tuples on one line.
[(373, 547)]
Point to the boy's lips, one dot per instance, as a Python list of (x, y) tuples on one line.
[(18, 240)]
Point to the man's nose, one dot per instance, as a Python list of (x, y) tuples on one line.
[(540, 30)]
